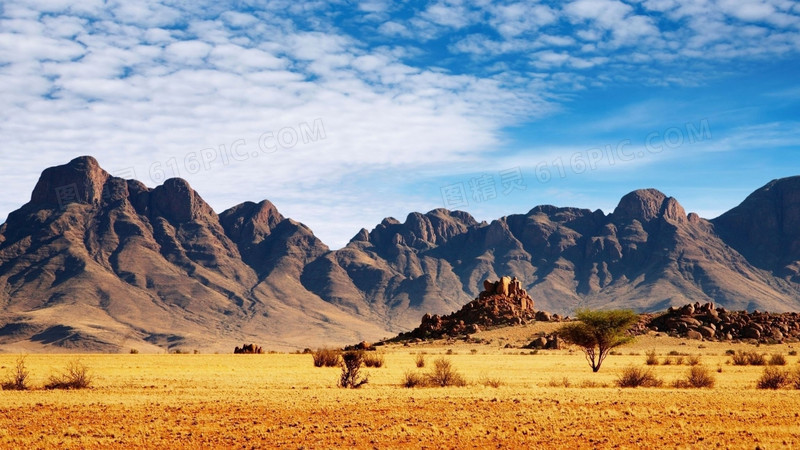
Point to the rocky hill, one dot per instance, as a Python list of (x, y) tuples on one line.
[(95, 262)]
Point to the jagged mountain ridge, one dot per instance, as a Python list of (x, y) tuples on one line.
[(110, 263)]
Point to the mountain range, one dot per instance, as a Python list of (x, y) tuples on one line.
[(98, 263)]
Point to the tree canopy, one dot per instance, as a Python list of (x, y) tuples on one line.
[(597, 332)]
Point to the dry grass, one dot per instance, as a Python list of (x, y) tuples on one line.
[(280, 400)]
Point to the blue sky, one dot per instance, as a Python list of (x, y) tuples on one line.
[(343, 113)]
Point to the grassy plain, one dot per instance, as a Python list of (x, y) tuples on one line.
[(281, 400)]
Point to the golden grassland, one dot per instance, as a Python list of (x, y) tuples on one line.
[(281, 400)]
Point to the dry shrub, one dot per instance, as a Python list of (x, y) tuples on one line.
[(698, 377), (413, 379), (588, 384), (351, 370), (555, 382), (773, 378), (679, 361), (326, 357), (373, 359), (75, 376), (632, 377), (652, 359), (792, 352), (491, 382), (667, 362), (777, 360), (420, 360), (17, 378), (756, 359), (443, 374), (795, 379), (740, 358), (693, 360)]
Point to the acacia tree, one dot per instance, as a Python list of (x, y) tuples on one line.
[(597, 332)]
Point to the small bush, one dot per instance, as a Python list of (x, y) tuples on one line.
[(491, 382), (679, 360), (326, 357), (420, 360), (772, 378), (652, 359), (632, 377), (674, 353), (373, 359), (443, 374), (698, 377), (351, 368), (667, 362), (730, 352), (449, 351), (693, 360), (777, 360), (740, 358), (792, 352), (413, 379), (588, 384), (795, 379), (18, 377), (134, 351), (555, 382), (756, 359), (75, 376)]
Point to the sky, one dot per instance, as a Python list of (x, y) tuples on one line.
[(342, 113)]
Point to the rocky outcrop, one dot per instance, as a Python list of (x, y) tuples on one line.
[(707, 322), (502, 302), (248, 349)]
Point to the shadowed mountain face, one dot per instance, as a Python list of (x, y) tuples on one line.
[(95, 262)]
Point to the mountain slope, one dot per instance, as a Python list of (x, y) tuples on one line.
[(94, 262), (94, 256)]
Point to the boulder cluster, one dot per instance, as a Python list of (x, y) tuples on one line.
[(502, 302), (248, 348), (696, 321)]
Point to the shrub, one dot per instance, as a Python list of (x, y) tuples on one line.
[(756, 359), (730, 352), (413, 379), (326, 357), (373, 359), (777, 360), (667, 362), (588, 384), (792, 352), (443, 374), (75, 376), (491, 382), (679, 361), (18, 377), (632, 377), (740, 358), (351, 368), (652, 359), (134, 351), (795, 381), (698, 377), (555, 382), (420, 361), (772, 378), (693, 360)]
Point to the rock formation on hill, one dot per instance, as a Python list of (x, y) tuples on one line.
[(95, 262), (502, 302)]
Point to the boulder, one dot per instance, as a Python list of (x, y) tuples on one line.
[(694, 334)]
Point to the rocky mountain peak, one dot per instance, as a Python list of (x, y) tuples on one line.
[(250, 221), (645, 205), (178, 202), (79, 181)]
